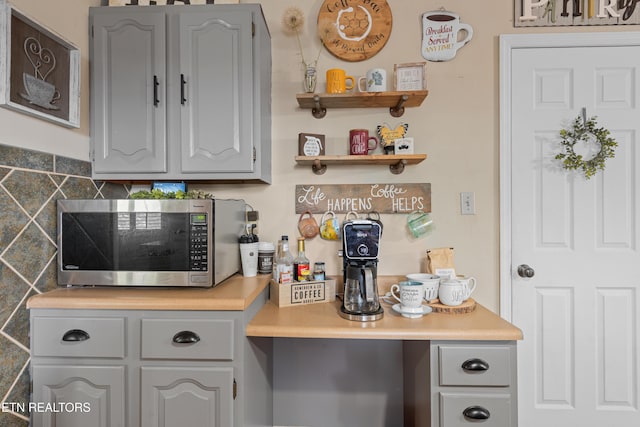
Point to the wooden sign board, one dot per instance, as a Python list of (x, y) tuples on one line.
[(356, 30), (363, 198)]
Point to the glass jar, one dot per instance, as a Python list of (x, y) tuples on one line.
[(318, 271)]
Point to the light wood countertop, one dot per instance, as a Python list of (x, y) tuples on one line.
[(235, 293), (322, 321), (308, 321)]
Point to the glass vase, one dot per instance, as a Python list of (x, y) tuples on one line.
[(310, 78)]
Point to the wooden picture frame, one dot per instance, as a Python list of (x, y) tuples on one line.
[(410, 76), (39, 70)]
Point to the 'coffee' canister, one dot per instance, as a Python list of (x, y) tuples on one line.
[(266, 253)]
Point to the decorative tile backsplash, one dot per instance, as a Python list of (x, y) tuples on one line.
[(30, 184)]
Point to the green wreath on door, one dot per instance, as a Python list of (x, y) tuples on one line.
[(587, 132)]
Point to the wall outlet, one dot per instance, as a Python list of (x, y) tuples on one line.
[(467, 203)]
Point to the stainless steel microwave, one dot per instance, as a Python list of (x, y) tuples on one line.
[(141, 242)]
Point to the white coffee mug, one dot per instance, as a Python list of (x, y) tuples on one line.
[(430, 283), (410, 295), (469, 285), (375, 81), (452, 292)]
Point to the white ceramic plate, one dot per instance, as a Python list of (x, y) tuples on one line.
[(425, 310)]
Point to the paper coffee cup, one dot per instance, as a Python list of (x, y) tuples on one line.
[(249, 257)]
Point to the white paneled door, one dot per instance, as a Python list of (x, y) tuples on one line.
[(578, 364)]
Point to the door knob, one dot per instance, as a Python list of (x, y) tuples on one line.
[(525, 271)]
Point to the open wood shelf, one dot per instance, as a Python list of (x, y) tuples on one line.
[(396, 162), (395, 101)]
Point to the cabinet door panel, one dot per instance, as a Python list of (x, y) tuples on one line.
[(216, 61), (79, 396), (128, 99), (178, 397)]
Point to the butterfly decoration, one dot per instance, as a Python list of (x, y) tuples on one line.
[(388, 135)]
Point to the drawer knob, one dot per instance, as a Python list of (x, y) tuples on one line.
[(475, 365), (73, 335), (186, 337), (476, 413)]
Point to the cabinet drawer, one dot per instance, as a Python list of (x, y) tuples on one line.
[(475, 365), (468, 409), (78, 337), (200, 339)]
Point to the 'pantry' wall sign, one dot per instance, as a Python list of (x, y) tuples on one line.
[(541, 13), (363, 198), (166, 2)]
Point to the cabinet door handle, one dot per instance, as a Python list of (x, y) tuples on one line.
[(476, 413), (475, 365), (186, 337), (183, 83), (73, 335), (156, 83)]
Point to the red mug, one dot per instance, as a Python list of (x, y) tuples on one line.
[(359, 142)]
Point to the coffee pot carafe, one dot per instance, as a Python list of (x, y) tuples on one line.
[(361, 290), (361, 239)]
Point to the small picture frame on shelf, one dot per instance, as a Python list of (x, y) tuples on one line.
[(403, 146), (311, 144), (410, 76)]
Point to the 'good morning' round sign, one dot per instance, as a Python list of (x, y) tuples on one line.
[(356, 29)]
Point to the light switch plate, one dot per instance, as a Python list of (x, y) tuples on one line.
[(467, 203)]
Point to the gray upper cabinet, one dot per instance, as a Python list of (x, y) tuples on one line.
[(180, 92), (128, 66)]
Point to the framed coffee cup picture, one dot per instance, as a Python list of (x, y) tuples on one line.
[(410, 76), (39, 70)]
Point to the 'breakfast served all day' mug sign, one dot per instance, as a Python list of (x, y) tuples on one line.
[(443, 34)]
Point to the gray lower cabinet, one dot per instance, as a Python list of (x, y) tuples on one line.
[(117, 368), (460, 383), (172, 395), (79, 395), (180, 92)]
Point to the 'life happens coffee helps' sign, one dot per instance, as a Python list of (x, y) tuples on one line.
[(363, 198)]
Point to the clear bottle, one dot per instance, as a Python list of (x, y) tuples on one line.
[(301, 265), (284, 262)]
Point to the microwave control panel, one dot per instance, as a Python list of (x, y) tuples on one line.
[(198, 256)]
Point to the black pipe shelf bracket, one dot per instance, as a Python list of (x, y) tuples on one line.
[(398, 110), (318, 111)]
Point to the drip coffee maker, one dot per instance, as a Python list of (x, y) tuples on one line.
[(361, 240)]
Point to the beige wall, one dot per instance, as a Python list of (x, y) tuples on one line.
[(457, 127)]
